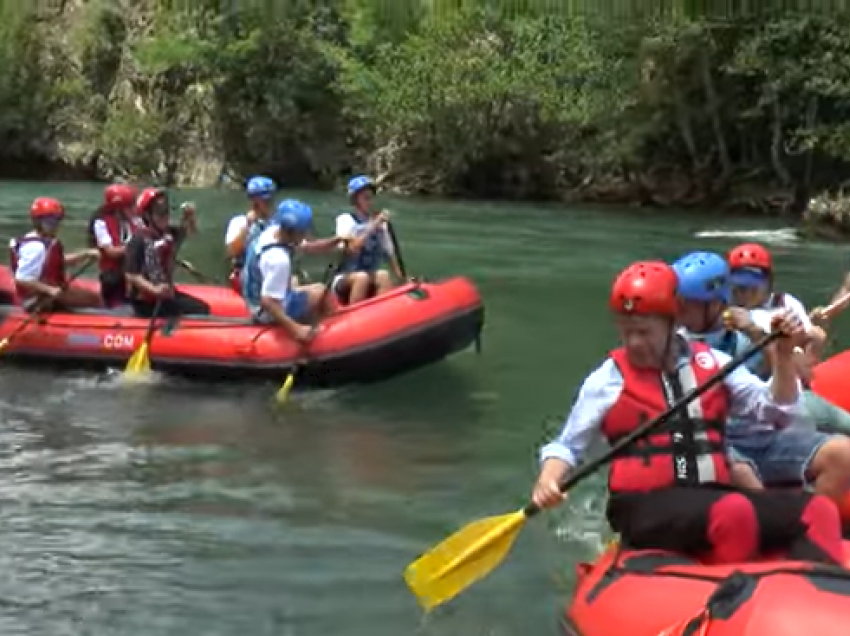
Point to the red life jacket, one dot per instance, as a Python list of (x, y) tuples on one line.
[(688, 451), (53, 270), (119, 232), (158, 267)]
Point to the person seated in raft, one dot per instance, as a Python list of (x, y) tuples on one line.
[(244, 228), (752, 289), (109, 230), (368, 246), (38, 262), (704, 293), (267, 281), (672, 491), (777, 454), (150, 258)]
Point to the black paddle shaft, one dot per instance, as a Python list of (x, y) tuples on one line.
[(152, 323), (397, 249), (591, 467)]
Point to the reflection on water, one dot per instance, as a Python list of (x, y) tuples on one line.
[(154, 508)]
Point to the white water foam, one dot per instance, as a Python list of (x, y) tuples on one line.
[(782, 236)]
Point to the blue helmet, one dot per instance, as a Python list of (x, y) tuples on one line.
[(703, 276), (359, 183), (260, 188), (293, 215)]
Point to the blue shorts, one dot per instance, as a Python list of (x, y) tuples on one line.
[(296, 306), (779, 457)]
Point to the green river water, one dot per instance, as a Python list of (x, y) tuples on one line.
[(174, 509)]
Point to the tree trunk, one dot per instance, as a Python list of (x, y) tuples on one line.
[(713, 106)]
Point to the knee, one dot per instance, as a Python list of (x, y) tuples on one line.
[(316, 292), (733, 512), (743, 476), (833, 455), (360, 278), (382, 277)]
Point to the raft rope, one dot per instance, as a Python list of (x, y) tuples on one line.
[(696, 626), (118, 325)]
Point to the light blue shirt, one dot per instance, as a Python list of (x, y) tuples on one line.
[(749, 396), (731, 345)]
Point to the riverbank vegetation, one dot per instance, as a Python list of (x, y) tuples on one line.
[(512, 99)]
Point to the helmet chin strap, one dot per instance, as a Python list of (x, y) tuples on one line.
[(710, 319)]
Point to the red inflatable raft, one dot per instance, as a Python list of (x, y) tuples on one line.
[(414, 325), (831, 380), (661, 594)]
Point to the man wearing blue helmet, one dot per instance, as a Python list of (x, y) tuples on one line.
[(796, 453), (267, 283), (705, 292), (243, 227), (368, 246)]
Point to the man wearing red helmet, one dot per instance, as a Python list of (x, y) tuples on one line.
[(38, 261), (752, 280), (672, 490), (151, 255), (779, 454), (110, 229)]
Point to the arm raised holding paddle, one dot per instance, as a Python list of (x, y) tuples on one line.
[(663, 405)]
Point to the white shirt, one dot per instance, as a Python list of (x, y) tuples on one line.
[(275, 267), (234, 227), (101, 234), (102, 237), (347, 228), (762, 317), (749, 398), (31, 258)]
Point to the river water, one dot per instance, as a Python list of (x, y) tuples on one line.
[(172, 509)]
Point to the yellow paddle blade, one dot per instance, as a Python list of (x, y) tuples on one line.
[(283, 391), (3, 344), (468, 555), (139, 362)]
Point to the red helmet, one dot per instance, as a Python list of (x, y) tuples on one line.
[(647, 288), (119, 196), (750, 256), (45, 207), (146, 199)]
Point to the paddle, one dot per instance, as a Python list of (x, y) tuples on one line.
[(475, 550), (140, 362), (397, 249), (283, 392), (199, 275), (42, 304)]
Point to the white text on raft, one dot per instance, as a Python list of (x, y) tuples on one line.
[(118, 341)]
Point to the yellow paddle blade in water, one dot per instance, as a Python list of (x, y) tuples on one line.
[(468, 555), (3, 344), (283, 391), (139, 362)]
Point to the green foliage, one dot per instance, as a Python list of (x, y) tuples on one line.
[(686, 104)]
